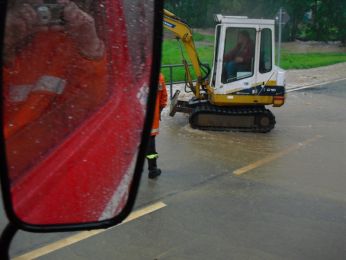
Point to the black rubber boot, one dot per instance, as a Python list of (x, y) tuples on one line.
[(154, 173), (153, 170)]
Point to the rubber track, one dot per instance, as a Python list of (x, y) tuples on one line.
[(242, 111)]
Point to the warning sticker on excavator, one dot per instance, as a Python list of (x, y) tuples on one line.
[(168, 24)]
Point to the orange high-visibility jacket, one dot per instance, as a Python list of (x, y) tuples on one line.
[(48, 91), (161, 102)]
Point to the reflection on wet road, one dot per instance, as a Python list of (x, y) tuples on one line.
[(290, 203)]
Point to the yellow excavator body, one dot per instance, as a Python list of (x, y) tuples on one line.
[(243, 80)]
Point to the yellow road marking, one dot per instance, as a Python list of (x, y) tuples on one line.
[(273, 157), (86, 234)]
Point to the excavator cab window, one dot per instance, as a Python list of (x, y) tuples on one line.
[(265, 64), (216, 53), (239, 53)]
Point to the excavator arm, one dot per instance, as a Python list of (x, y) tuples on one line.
[(183, 32)]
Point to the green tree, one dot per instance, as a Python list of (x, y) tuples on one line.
[(328, 16), (296, 10)]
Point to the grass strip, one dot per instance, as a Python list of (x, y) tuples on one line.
[(171, 54)]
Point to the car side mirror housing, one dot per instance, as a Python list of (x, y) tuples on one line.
[(77, 107)]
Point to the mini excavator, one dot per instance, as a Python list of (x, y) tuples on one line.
[(232, 95)]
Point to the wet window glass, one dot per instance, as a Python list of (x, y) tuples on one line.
[(139, 13), (75, 96), (266, 51), (239, 52), (216, 53)]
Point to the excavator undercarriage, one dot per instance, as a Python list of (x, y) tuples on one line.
[(205, 116), (243, 119)]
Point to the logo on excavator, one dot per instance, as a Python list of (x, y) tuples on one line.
[(168, 24)]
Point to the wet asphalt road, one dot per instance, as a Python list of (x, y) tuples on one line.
[(291, 204)]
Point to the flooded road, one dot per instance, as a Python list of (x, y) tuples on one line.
[(280, 195)]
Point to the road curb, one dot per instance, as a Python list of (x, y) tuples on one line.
[(291, 89)]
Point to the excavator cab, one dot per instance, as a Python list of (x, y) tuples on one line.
[(244, 63)]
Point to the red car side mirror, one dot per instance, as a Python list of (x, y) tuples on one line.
[(77, 105)]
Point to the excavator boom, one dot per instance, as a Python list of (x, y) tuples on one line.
[(184, 33)]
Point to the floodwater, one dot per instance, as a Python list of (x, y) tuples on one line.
[(289, 203)]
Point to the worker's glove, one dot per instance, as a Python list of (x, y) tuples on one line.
[(161, 108), (81, 28)]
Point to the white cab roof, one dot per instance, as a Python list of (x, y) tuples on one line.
[(241, 20)]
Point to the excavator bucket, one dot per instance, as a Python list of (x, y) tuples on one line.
[(179, 105)]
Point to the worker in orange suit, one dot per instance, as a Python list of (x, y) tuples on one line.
[(161, 103), (55, 75)]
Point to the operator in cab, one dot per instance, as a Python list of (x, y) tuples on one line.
[(240, 57), (54, 75)]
